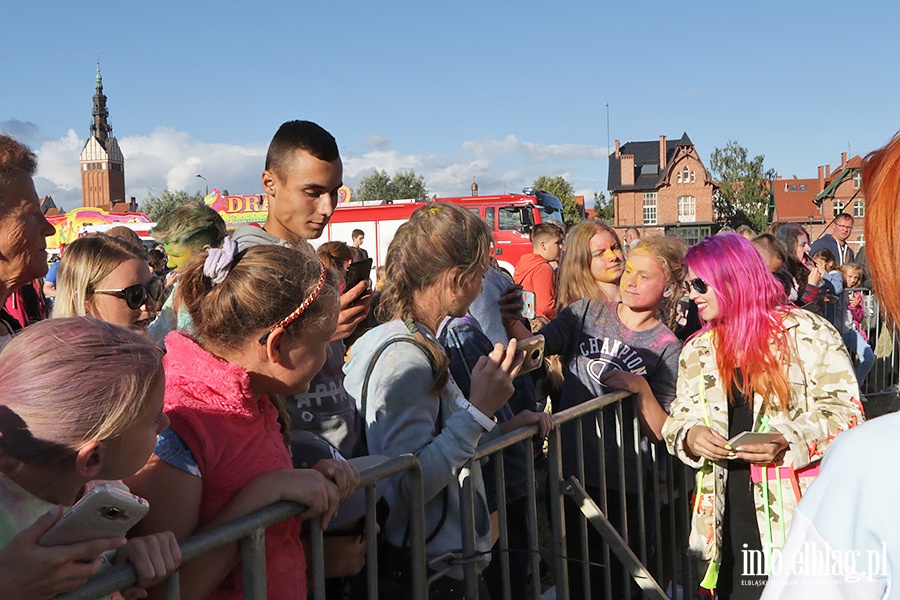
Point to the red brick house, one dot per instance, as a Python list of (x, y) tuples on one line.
[(662, 186), (815, 202)]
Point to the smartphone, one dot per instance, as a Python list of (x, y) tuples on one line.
[(356, 272), (752, 437), (528, 302), (534, 353), (104, 512)]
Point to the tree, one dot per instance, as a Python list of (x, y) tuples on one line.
[(156, 207), (603, 206), (402, 186), (745, 187), (563, 190)]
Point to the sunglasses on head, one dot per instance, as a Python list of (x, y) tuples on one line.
[(135, 296), (700, 286)]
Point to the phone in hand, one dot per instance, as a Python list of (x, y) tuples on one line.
[(356, 272), (103, 512), (528, 304), (534, 353)]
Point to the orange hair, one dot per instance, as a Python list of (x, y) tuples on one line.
[(881, 182)]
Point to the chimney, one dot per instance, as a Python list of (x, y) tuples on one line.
[(626, 169), (821, 178), (843, 159), (617, 148), (662, 153), (827, 171)]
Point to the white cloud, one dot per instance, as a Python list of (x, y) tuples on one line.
[(169, 159), (511, 145), (376, 141)]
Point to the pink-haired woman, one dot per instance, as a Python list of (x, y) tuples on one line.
[(761, 365)]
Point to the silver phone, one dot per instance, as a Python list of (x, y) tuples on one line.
[(103, 512)]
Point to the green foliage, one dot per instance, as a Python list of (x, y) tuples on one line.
[(402, 186), (745, 189), (603, 206), (156, 207), (563, 190)]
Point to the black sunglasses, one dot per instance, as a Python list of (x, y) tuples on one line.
[(700, 286), (135, 296)]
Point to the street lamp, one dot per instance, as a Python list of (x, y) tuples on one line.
[(207, 183)]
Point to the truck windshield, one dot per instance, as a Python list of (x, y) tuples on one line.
[(551, 207)]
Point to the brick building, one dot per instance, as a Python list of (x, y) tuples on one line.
[(662, 186), (815, 202), (102, 162)]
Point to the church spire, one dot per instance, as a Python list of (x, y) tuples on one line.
[(100, 128)]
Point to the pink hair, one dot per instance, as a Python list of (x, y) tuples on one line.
[(751, 304), (70, 381)]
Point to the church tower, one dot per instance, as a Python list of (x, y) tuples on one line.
[(102, 163)]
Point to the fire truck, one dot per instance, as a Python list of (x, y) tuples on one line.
[(509, 216)]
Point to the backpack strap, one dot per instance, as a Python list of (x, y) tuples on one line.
[(439, 425)]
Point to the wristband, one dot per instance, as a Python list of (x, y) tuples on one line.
[(485, 421)]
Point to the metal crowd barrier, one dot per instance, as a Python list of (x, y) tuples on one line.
[(665, 512), (883, 379), (661, 506), (249, 531)]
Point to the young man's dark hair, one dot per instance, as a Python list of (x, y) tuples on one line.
[(300, 135), (357, 233)]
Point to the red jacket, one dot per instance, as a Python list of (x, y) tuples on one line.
[(233, 438), (535, 274)]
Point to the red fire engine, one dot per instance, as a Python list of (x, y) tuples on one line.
[(510, 217)]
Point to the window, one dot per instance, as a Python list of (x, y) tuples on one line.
[(802, 187), (687, 209), (649, 208), (693, 178), (793, 187), (489, 217), (859, 209), (857, 180), (679, 176), (685, 173), (838, 208), (510, 219)]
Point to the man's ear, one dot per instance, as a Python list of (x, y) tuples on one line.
[(268, 182), (89, 460)]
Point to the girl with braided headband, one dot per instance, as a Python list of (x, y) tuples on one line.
[(262, 320)]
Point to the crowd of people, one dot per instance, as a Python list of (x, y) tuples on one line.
[(196, 375)]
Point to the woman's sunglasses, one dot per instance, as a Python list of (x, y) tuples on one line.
[(700, 286), (135, 296)]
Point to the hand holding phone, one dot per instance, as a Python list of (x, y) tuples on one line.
[(104, 512), (356, 272)]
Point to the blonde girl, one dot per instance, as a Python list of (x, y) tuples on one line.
[(591, 265), (107, 278), (263, 318), (616, 344), (82, 403)]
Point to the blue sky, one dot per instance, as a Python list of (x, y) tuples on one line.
[(497, 91)]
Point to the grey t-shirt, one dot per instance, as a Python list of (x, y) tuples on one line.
[(591, 341)]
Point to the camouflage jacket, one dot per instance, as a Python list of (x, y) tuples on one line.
[(824, 402)]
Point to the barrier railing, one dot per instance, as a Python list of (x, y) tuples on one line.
[(249, 530), (660, 512), (650, 545)]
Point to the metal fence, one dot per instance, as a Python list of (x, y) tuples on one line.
[(632, 493)]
